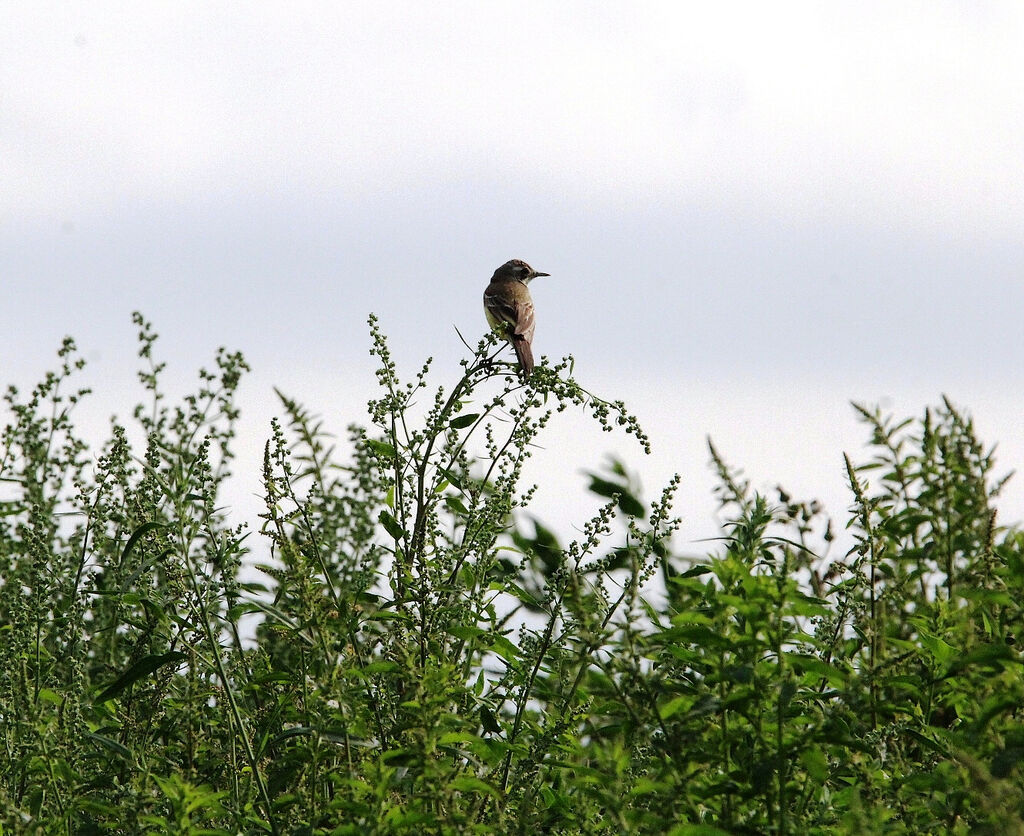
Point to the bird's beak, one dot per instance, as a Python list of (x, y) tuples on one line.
[(536, 274)]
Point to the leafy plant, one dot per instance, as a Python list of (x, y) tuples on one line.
[(424, 654)]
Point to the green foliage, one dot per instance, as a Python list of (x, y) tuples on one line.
[(424, 655)]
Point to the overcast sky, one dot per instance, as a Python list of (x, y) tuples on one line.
[(752, 213)]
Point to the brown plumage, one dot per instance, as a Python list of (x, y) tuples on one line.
[(509, 308)]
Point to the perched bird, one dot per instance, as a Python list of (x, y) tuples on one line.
[(509, 308)]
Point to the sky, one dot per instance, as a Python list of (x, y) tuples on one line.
[(752, 213)]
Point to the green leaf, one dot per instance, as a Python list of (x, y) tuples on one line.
[(273, 676), (520, 593), (456, 504), (144, 667), (940, 650), (603, 487), (645, 786), (470, 783), (505, 649), (388, 615), (391, 524), (816, 764), (488, 720), (381, 448), (986, 656), (463, 420), (448, 738), (384, 666), (628, 504), (466, 631), (139, 533), (293, 731), (673, 706), (452, 477)]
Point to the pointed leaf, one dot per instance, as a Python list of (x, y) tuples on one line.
[(143, 668)]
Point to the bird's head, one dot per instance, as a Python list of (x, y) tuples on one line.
[(516, 270)]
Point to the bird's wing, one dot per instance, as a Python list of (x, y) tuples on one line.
[(517, 313)]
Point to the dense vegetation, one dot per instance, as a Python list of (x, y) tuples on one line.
[(425, 656)]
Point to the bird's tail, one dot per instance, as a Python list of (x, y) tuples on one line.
[(524, 354)]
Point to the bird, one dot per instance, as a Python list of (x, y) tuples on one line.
[(509, 308)]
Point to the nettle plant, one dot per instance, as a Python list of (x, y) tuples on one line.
[(421, 653), (392, 680), (448, 646)]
